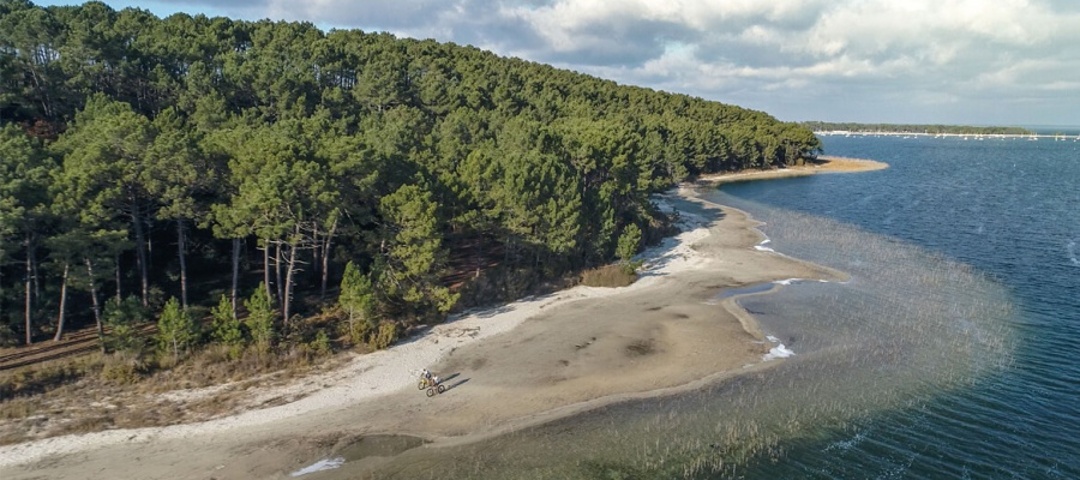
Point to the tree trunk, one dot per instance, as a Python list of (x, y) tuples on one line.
[(36, 275), (326, 260), (29, 308), (140, 248), (287, 296), (1, 288), (63, 303), (180, 236), (266, 270), (277, 272), (94, 302), (235, 274), (316, 248), (119, 296)]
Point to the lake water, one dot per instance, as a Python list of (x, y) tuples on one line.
[(952, 351), (1011, 210)]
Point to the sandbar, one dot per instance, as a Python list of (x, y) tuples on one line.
[(506, 368)]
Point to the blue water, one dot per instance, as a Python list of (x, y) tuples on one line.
[(952, 349), (1011, 210)]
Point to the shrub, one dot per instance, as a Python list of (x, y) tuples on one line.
[(609, 276), (629, 242), (122, 320), (226, 328), (387, 335), (260, 320), (176, 329), (321, 344), (123, 368)]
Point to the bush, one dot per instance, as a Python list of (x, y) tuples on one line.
[(616, 275), (260, 320), (357, 300), (122, 321), (122, 368), (226, 329), (321, 344), (386, 336), (358, 332), (176, 329)]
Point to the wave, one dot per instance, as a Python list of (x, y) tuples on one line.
[(324, 464), (779, 351)]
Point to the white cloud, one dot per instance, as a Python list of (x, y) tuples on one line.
[(765, 54)]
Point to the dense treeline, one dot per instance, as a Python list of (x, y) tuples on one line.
[(213, 160), (928, 129)]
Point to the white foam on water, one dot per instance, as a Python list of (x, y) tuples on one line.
[(847, 444), (1071, 248), (324, 464), (787, 281), (779, 351), (761, 248)]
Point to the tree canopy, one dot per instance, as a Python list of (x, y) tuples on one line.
[(151, 157)]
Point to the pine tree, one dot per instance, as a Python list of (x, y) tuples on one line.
[(176, 329), (357, 299), (260, 320), (226, 327)]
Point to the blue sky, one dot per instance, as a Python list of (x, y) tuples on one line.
[(978, 62)]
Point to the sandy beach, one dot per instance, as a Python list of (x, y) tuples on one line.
[(505, 368)]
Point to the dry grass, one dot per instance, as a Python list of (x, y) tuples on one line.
[(609, 276), (99, 392)]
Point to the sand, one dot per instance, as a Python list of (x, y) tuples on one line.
[(505, 368)]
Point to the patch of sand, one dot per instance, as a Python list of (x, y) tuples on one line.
[(505, 368), (824, 164)]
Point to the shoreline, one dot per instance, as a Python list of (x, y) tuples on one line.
[(828, 164), (662, 328)]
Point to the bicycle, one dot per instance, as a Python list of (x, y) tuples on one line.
[(425, 383), (440, 388)]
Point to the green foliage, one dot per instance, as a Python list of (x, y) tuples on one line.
[(430, 162), (226, 328), (321, 344), (357, 299), (123, 321), (629, 242), (260, 319), (385, 336), (176, 329), (414, 256)]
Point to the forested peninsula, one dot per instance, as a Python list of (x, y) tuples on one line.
[(193, 182)]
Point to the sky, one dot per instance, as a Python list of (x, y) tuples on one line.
[(971, 62)]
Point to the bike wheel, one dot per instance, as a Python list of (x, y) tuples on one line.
[(442, 388), (422, 385), (431, 392)]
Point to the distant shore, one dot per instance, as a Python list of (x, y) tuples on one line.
[(508, 367), (976, 136), (824, 164)]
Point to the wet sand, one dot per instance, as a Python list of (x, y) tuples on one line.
[(505, 368)]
